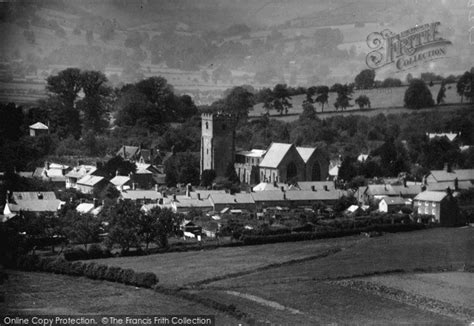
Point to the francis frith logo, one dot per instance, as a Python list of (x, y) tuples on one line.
[(407, 49)]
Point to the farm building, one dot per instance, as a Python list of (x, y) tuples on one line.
[(453, 178), (38, 129), (441, 205)]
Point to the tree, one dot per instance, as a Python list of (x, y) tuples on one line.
[(281, 101), (441, 94), (123, 228), (391, 82), (362, 101), (166, 224), (418, 95), (238, 103), (309, 113), (207, 177), (95, 104), (81, 228), (365, 79), (409, 78), (343, 95), (465, 86), (117, 165), (64, 88), (323, 96)]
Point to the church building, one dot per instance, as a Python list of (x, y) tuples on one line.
[(279, 163)]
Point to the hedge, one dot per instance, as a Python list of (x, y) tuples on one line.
[(302, 236), (94, 252), (90, 270)]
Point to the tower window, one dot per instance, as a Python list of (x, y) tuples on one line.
[(207, 125)]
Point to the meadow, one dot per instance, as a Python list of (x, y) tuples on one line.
[(383, 100)]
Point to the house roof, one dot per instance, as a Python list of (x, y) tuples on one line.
[(305, 152), (25, 174), (435, 196), (34, 201), (120, 180), (313, 195), (275, 155), (450, 135), (80, 171), (461, 175), (268, 196), (204, 193), (186, 202), (392, 190), (442, 186), (228, 199), (394, 200), (90, 180), (141, 194), (39, 125), (128, 151), (88, 208), (362, 157), (267, 186), (318, 185)]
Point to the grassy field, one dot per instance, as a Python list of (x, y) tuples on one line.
[(40, 293), (384, 100), (179, 269), (432, 248)]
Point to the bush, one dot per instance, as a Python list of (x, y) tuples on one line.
[(77, 268), (94, 252), (113, 274), (146, 280), (75, 254), (418, 95), (126, 276), (89, 271)]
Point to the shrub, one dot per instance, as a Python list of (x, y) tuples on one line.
[(100, 272), (89, 271), (146, 280), (77, 268), (75, 254), (113, 274), (94, 251), (126, 276)]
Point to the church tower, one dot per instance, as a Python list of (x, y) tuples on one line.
[(217, 142)]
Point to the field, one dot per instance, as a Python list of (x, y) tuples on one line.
[(39, 293), (180, 269), (384, 100), (405, 278)]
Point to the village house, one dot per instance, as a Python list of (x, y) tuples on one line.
[(91, 183), (373, 193), (38, 129), (93, 208), (448, 177), (78, 173), (393, 204), (142, 196), (35, 202), (441, 205), (52, 172)]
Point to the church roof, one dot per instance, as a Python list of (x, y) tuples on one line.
[(275, 155), (305, 152)]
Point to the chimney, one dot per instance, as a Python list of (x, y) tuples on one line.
[(174, 197), (134, 185), (156, 187), (198, 196), (326, 188), (96, 202), (46, 165), (313, 188), (282, 189), (116, 172), (456, 184), (447, 167), (188, 190)]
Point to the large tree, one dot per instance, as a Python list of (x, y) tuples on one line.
[(281, 98), (465, 86), (418, 95), (238, 103), (365, 79)]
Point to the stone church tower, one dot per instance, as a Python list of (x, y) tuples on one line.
[(217, 142)]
